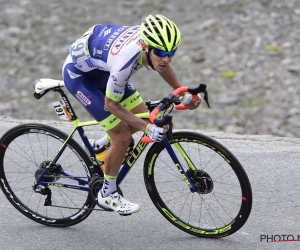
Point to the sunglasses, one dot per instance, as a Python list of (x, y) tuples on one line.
[(162, 53)]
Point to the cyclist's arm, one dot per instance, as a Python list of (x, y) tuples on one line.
[(171, 77), (114, 92)]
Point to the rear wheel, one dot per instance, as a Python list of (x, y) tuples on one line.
[(223, 200), (25, 152)]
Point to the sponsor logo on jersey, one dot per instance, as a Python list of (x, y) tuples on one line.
[(116, 84), (123, 39), (134, 99), (97, 52), (133, 69), (132, 40), (140, 41), (105, 28), (119, 92), (82, 98), (114, 78), (130, 85), (116, 81), (107, 32), (113, 36), (113, 120)]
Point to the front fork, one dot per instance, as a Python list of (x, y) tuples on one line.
[(183, 174)]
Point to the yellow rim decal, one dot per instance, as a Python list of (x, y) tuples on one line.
[(199, 231), (150, 167)]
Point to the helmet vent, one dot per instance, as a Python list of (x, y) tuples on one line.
[(175, 39), (149, 37), (169, 35), (153, 24)]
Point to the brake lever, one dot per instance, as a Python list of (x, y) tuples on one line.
[(195, 91)]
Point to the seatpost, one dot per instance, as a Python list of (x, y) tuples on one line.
[(67, 103)]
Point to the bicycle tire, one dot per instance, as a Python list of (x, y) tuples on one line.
[(23, 150), (200, 213)]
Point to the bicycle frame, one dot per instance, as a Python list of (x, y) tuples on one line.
[(129, 161), (95, 169)]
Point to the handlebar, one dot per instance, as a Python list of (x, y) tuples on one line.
[(168, 101)]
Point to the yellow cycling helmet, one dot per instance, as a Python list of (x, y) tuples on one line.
[(160, 32)]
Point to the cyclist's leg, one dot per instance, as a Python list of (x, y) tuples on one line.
[(141, 108), (87, 89), (119, 132), (108, 197), (120, 135)]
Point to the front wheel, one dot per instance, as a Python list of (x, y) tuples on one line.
[(222, 201)]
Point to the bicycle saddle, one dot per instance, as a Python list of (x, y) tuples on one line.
[(44, 84)]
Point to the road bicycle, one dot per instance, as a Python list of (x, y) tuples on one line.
[(196, 183)]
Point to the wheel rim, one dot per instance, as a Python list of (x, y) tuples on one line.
[(25, 153), (212, 210)]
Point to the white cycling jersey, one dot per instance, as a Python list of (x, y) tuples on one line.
[(110, 48)]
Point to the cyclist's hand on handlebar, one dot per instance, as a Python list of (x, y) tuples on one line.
[(155, 133), (188, 100)]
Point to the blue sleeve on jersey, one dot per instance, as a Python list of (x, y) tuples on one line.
[(130, 61)]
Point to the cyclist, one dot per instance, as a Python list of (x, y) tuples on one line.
[(97, 72)]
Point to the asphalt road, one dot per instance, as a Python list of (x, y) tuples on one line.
[(272, 164)]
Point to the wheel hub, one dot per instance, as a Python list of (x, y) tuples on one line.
[(201, 180)]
